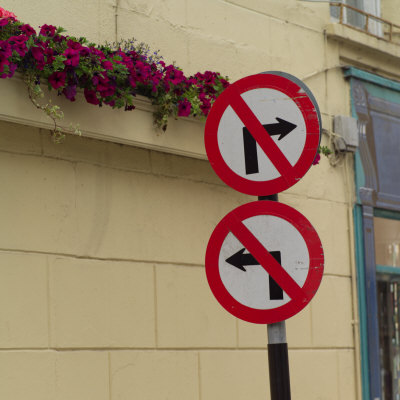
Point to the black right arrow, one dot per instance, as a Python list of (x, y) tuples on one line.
[(239, 260), (282, 128)]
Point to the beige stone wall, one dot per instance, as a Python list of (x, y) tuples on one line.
[(103, 291)]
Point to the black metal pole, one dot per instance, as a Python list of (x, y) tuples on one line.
[(278, 358)]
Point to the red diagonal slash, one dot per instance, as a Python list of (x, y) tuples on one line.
[(261, 254), (267, 144)]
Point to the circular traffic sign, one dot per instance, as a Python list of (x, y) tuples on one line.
[(264, 262), (262, 133)]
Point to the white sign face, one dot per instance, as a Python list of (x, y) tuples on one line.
[(246, 280), (281, 118)]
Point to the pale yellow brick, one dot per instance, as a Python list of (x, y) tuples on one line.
[(324, 182), (23, 301), (92, 19), (312, 15), (170, 39), (299, 329), (314, 374), (172, 12), (27, 375), (149, 375), (18, 138), (39, 198), (101, 303), (226, 57), (347, 374), (82, 375), (331, 311), (252, 335), (144, 217), (222, 21), (331, 222), (183, 167), (98, 152), (188, 314), (235, 375)]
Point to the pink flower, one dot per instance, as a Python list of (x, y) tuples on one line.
[(7, 14), (27, 30), (84, 51), (48, 30), (4, 22), (108, 65), (91, 97), (37, 53), (184, 108), (175, 76), (18, 44), (74, 45), (316, 159), (57, 79), (5, 49), (72, 57)]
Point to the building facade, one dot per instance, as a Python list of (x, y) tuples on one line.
[(103, 289)]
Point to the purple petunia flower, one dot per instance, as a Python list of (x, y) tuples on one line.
[(48, 30), (72, 57), (57, 79), (316, 159), (91, 97), (184, 108), (27, 30), (70, 92)]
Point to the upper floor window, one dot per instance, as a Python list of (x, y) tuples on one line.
[(359, 14)]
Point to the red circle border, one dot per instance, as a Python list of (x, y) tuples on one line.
[(313, 133), (315, 271)]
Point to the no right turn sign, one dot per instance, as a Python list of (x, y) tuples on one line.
[(263, 133)]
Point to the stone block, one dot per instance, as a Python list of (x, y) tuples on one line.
[(314, 374), (183, 167), (22, 139), (101, 304), (149, 375), (235, 375), (172, 12), (331, 310), (97, 152), (27, 375), (23, 301), (82, 375), (39, 198), (347, 374), (331, 221), (187, 312), (170, 39), (252, 335)]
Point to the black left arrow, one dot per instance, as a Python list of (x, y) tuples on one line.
[(281, 128), (240, 260)]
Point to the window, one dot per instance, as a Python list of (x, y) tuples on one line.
[(355, 14), (387, 254)]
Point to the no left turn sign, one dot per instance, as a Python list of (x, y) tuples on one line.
[(264, 262), (263, 133)]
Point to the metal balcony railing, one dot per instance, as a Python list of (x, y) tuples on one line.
[(366, 22)]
